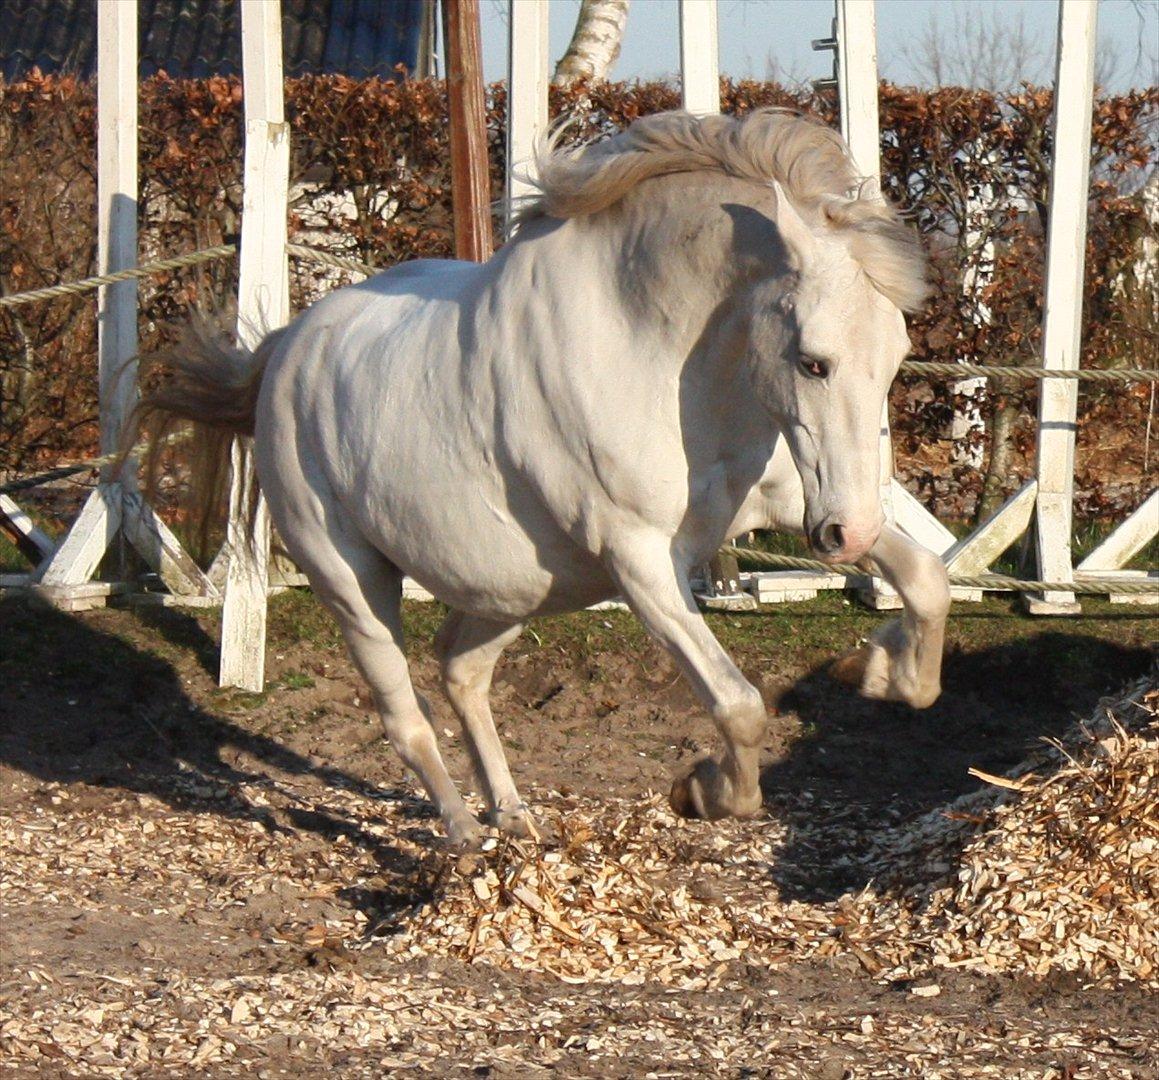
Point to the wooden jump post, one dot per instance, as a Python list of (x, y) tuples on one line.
[(115, 510), (527, 81), (263, 305)]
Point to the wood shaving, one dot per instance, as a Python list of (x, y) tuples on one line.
[(1056, 872)]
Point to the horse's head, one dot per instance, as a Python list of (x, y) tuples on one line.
[(826, 342)]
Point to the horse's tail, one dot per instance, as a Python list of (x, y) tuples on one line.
[(212, 385)]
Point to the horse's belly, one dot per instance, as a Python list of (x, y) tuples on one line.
[(475, 547)]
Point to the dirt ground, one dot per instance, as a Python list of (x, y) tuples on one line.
[(208, 882)]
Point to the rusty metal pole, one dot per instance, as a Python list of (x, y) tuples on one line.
[(470, 173)]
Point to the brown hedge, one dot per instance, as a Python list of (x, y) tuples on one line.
[(370, 162)]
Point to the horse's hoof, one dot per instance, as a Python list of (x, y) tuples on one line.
[(466, 835), (680, 798), (516, 822), (692, 793), (704, 792), (850, 668)]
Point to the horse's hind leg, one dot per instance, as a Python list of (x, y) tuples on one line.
[(468, 649), (903, 659), (364, 591)]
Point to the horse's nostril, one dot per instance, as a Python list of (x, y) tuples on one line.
[(828, 539)]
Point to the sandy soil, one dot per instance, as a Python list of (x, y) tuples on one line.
[(197, 848)]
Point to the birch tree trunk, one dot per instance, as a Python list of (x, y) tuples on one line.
[(595, 45)]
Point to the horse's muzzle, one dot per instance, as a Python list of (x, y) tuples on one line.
[(834, 542)]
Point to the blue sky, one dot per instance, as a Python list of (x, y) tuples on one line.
[(757, 36)]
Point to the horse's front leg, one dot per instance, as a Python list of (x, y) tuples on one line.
[(657, 591), (903, 659)]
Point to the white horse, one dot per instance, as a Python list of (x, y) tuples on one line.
[(691, 336)]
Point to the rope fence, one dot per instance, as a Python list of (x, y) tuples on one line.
[(954, 370), (958, 370), (988, 582), (79, 288), (339, 262)]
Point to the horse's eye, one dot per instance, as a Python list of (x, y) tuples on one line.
[(814, 368)]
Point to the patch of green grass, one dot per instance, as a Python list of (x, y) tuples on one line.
[(243, 700), (297, 616), (810, 632), (11, 559), (295, 680)]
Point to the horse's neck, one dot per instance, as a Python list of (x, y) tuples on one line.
[(683, 247)]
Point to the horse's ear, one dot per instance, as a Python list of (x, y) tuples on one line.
[(796, 233)]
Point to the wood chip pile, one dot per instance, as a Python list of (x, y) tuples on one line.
[(1061, 870), (1055, 868)]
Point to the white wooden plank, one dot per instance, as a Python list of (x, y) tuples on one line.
[(116, 215), (86, 597), (856, 27), (1128, 539), (412, 590), (263, 304), (1062, 316), (263, 282), (857, 82), (27, 528), (163, 551), (243, 615), (527, 82), (1133, 577), (777, 581), (975, 553), (699, 57), (917, 522), (79, 554)]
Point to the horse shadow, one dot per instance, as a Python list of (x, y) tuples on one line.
[(864, 769), (81, 705)]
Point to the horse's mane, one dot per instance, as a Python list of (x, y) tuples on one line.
[(808, 159)]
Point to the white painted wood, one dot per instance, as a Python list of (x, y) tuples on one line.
[(263, 283), (856, 32), (243, 615), (412, 590), (527, 83), (116, 216), (699, 57), (163, 551), (857, 83), (1128, 539), (1062, 316), (27, 528), (263, 305), (917, 522), (774, 586), (85, 597), (79, 554), (1134, 577), (975, 553)]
